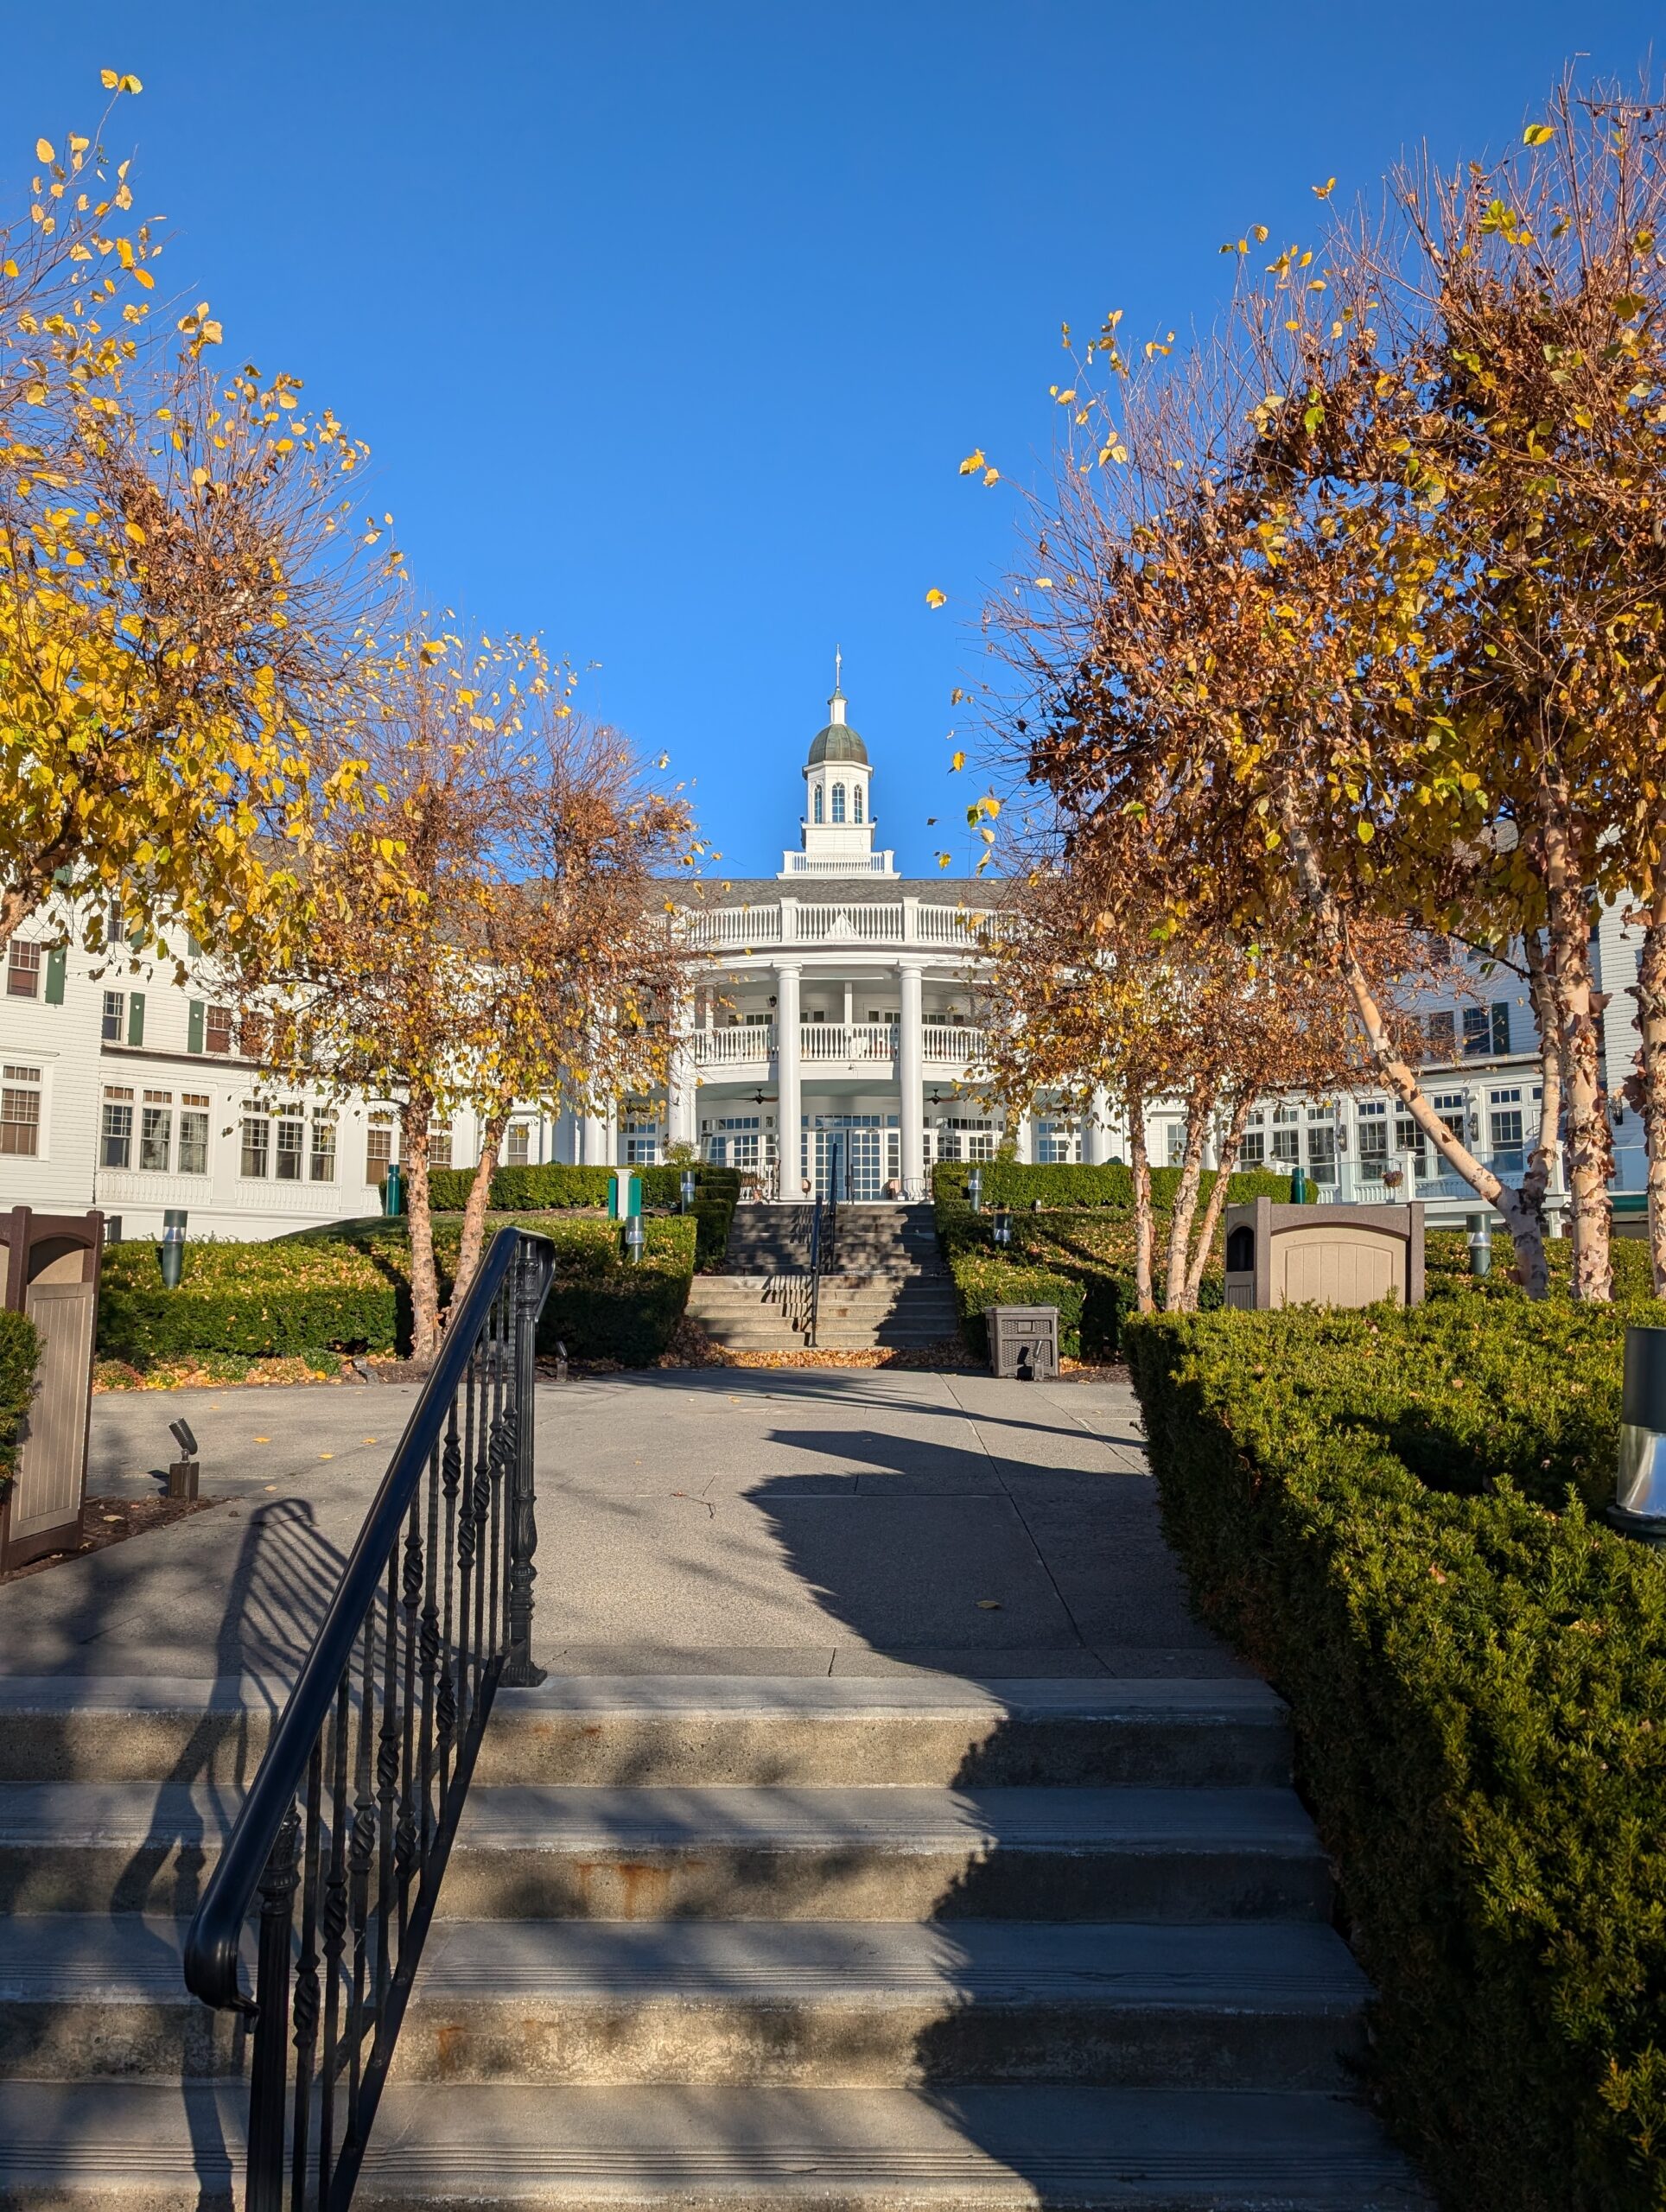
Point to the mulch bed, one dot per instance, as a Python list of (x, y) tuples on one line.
[(106, 1521)]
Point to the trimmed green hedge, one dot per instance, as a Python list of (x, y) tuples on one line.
[(1012, 1183), (562, 1188), (347, 1287), (1081, 1261), (1477, 1676), (20, 1355)]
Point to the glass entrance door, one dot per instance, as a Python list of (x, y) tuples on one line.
[(847, 1146)]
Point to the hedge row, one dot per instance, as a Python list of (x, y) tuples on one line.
[(20, 1355), (1013, 1183), (562, 1188), (1082, 1262), (347, 1288), (1477, 1676)]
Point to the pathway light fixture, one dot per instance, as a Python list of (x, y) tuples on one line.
[(171, 1252), (1480, 1245), (635, 1237), (1001, 1225), (688, 1189), (975, 1190), (1639, 1507), (182, 1472)]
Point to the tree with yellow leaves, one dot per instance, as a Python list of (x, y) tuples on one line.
[(485, 928), (180, 577)]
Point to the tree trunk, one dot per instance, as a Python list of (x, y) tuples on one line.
[(1576, 1004), (1525, 1228), (1217, 1197), (1547, 1148), (1199, 1107), (479, 1194), (1140, 1164), (1650, 1098), (424, 1280)]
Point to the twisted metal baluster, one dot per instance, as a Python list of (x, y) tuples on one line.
[(306, 1981), (430, 1643), (269, 2068), (387, 1791), (359, 1849), (404, 1835), (451, 1462), (518, 1667), (335, 1932)]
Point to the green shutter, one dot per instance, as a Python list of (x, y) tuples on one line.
[(193, 1034), (57, 961), (1501, 1025), (136, 1017)]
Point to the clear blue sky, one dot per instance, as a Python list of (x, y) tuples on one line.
[(668, 324)]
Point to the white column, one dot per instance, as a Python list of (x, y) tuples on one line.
[(1095, 1129), (910, 1080), (680, 1123), (593, 1138), (1026, 1135), (789, 1135)]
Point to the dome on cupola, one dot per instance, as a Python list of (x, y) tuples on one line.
[(837, 742)]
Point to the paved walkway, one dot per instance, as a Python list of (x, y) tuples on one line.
[(712, 1521)]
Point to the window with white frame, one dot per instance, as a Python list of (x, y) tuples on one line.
[(439, 1144), (641, 1144), (320, 1164), (838, 802), (23, 969), (115, 1010), (1504, 1116), (1286, 1136), (1057, 1144), (1373, 1138), (517, 1144), (156, 1132), (193, 1133), (20, 1112), (256, 1159), (1175, 1143), (116, 1136), (856, 804), (378, 1149), (290, 1131), (217, 1031)]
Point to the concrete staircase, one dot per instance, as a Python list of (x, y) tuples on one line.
[(725, 1944), (889, 1287)]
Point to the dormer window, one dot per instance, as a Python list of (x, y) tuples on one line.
[(816, 809), (838, 802), (855, 808)]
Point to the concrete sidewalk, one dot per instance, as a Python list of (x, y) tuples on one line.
[(708, 1521)]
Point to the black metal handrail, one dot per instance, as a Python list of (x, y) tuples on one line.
[(823, 1235), (358, 1797)]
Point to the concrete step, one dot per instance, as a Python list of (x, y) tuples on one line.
[(528, 1851), (812, 2004), (680, 1731), (162, 2148)]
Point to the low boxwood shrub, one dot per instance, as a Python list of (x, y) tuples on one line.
[(1013, 1183), (20, 1355), (348, 1286), (1477, 1672), (1086, 1257)]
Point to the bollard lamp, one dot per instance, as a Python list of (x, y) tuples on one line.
[(975, 1190), (635, 1236), (1001, 1225), (172, 1249), (1639, 1507), (688, 1189), (1480, 1243)]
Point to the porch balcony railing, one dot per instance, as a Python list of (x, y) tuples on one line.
[(952, 1044), (832, 921), (749, 1045), (849, 1040)]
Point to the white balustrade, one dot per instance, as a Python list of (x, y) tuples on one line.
[(851, 924), (749, 1045), (849, 1040), (952, 1043), (728, 928)]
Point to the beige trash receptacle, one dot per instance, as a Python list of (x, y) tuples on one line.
[(1323, 1256), (1023, 1342), (49, 1267)]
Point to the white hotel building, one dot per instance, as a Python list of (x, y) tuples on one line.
[(836, 999)]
